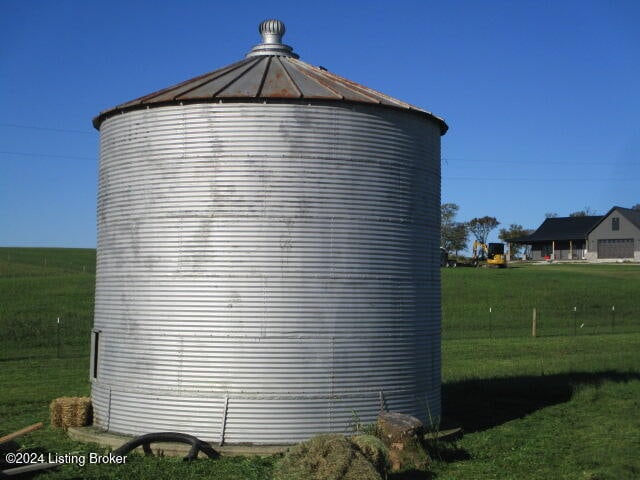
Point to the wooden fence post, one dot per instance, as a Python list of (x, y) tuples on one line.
[(58, 344), (534, 324), (490, 325), (613, 319)]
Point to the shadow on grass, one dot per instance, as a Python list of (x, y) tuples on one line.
[(477, 405), (412, 475)]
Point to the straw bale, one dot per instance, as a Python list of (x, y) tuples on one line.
[(71, 412)]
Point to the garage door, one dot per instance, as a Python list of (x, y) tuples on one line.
[(615, 248)]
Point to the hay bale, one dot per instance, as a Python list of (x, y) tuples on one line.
[(71, 412), (325, 457), (373, 450)]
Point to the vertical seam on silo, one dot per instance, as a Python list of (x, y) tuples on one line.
[(223, 425), (180, 364), (331, 391), (109, 411), (263, 328), (332, 271)]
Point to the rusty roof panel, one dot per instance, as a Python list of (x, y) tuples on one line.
[(205, 84), (171, 93), (374, 95), (218, 83), (308, 86), (248, 84), (334, 84), (278, 82)]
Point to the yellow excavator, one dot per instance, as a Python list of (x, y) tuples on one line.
[(491, 255)]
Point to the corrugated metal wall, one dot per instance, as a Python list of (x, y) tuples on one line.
[(275, 261)]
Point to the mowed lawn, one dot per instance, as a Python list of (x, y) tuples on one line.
[(563, 405)]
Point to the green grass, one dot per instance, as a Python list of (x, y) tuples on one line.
[(576, 425), (40, 285), (64, 259), (558, 406), (481, 302)]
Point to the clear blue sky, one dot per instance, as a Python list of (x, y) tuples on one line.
[(542, 98)]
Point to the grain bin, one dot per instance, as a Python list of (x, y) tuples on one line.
[(268, 261)]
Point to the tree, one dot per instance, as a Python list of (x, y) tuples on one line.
[(514, 231), (481, 227), (448, 212), (550, 215), (453, 235), (458, 238), (636, 207), (588, 211)]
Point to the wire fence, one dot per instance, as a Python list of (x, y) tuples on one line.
[(496, 322), (52, 337), (64, 336), (22, 261)]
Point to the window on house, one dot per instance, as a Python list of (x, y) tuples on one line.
[(615, 223)]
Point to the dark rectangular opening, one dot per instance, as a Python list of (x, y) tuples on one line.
[(96, 344)]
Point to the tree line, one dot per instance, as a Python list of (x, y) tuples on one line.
[(454, 235)]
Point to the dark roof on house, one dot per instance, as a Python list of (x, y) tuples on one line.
[(631, 215), (561, 228), (270, 71)]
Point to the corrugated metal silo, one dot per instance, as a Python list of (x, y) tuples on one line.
[(268, 257)]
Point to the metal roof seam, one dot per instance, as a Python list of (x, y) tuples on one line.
[(301, 65), (215, 74), (211, 77), (353, 86), (286, 71), (264, 77), (236, 78)]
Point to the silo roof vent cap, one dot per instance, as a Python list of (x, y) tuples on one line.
[(272, 31)]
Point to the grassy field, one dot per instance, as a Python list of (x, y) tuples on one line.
[(557, 407), (569, 298), (563, 405), (40, 285)]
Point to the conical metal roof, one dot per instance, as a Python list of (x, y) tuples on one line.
[(270, 71)]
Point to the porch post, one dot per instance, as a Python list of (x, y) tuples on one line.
[(570, 249), (553, 249)]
